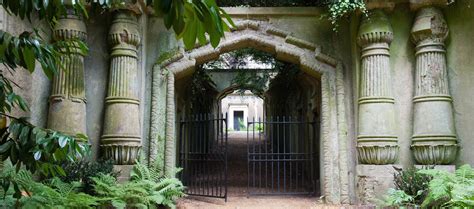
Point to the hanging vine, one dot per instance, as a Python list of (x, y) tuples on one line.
[(342, 8)]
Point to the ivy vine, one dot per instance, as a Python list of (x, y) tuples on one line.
[(342, 8)]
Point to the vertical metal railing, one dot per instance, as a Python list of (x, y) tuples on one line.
[(203, 155), (281, 156)]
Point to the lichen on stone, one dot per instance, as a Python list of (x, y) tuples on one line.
[(167, 55)]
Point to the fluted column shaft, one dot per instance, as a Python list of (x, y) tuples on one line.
[(121, 139), (67, 108), (434, 137), (376, 141)]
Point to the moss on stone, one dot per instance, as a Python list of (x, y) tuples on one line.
[(167, 55)]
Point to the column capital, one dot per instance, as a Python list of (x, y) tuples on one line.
[(375, 28), (430, 26), (124, 29), (70, 27)]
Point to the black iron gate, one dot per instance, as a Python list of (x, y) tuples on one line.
[(280, 156), (203, 155)]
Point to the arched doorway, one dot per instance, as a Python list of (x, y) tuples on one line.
[(262, 36)]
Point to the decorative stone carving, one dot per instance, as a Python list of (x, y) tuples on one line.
[(121, 139), (376, 142), (67, 108), (434, 135)]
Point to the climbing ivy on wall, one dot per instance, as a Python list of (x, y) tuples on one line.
[(342, 8), (272, 3), (255, 80), (200, 89), (336, 9)]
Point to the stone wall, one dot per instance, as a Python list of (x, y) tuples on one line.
[(460, 51)]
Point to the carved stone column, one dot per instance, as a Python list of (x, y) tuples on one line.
[(377, 141), (434, 136), (121, 139), (67, 108)]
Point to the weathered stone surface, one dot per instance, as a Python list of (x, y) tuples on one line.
[(376, 141), (417, 4), (434, 136), (448, 168), (373, 181), (123, 172), (121, 139), (67, 109), (380, 4)]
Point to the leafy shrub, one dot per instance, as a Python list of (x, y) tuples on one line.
[(242, 126), (40, 149), (20, 190), (259, 127), (84, 170), (398, 197), (450, 189), (412, 183), (411, 188), (146, 189)]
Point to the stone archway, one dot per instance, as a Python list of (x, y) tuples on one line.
[(262, 36)]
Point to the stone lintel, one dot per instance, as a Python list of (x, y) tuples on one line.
[(373, 181), (123, 172), (273, 11), (418, 4), (387, 5), (448, 168)]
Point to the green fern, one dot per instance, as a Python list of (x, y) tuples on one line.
[(450, 189), (398, 197), (146, 189), (25, 192)]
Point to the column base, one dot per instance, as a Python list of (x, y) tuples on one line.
[(121, 154), (373, 181), (442, 154), (124, 172)]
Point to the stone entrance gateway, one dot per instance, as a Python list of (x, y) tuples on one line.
[(393, 86), (262, 36)]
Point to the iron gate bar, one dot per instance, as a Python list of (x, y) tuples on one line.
[(203, 155), (290, 157)]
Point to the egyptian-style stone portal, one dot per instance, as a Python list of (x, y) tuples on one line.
[(434, 136), (395, 92), (121, 140), (67, 109), (377, 141)]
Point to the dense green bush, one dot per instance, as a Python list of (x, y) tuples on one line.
[(411, 188), (433, 188), (21, 190), (413, 183), (84, 170), (450, 190), (146, 189)]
